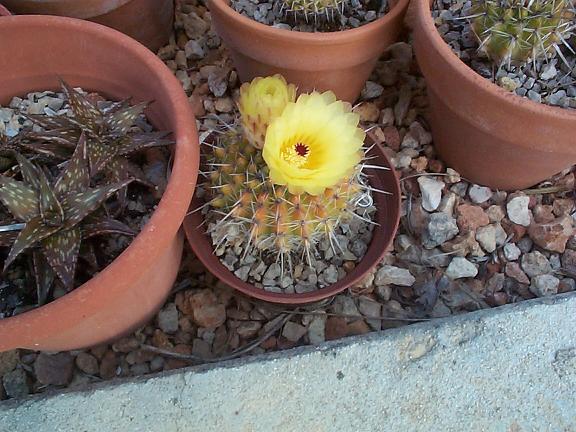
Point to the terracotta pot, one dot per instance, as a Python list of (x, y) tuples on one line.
[(4, 11), (387, 216), (147, 21), (129, 291), (339, 61), (489, 135)]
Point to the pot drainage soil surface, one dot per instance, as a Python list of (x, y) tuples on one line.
[(460, 247)]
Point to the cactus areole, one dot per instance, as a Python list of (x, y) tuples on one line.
[(283, 182)]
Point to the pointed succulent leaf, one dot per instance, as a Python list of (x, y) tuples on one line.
[(99, 154), (85, 112), (29, 171), (50, 208), (20, 199), (120, 122), (65, 137), (137, 142), (50, 149), (51, 122), (76, 176), (79, 205), (61, 251), (44, 276), (33, 232), (105, 226), (7, 238), (121, 168)]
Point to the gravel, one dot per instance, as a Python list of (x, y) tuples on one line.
[(274, 13), (214, 321)]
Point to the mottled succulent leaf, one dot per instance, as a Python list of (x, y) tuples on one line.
[(120, 121), (44, 276), (50, 149), (79, 205), (76, 176), (85, 112), (137, 142), (33, 232), (50, 208), (29, 171), (105, 226), (61, 251), (7, 238), (121, 168), (65, 137), (51, 122), (20, 199), (99, 154), (88, 254)]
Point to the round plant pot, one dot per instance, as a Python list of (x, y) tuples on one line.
[(130, 290), (387, 218), (338, 61), (489, 135), (147, 21)]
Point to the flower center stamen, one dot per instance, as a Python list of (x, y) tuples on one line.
[(296, 155)]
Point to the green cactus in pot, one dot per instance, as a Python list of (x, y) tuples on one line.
[(517, 31)]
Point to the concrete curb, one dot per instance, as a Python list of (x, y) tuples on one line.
[(509, 369)]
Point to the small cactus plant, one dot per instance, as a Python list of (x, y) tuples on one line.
[(516, 31), (326, 9), (267, 217), (286, 198)]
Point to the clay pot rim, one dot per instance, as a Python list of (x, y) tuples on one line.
[(4, 11), (94, 7), (470, 75), (157, 234), (228, 277), (318, 38)]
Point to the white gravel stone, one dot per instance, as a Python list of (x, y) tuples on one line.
[(479, 194), (512, 252), (486, 236), (518, 211), (390, 275), (431, 192), (544, 285), (461, 268)]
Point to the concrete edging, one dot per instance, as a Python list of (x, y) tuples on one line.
[(507, 369)]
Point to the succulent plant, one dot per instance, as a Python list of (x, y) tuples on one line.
[(268, 218), (56, 215), (516, 31), (109, 138), (326, 9)]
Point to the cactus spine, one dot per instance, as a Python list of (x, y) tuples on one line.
[(266, 217), (516, 31), (316, 8)]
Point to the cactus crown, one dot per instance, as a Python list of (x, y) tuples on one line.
[(516, 31), (326, 9), (259, 216)]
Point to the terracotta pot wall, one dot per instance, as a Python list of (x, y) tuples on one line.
[(338, 61), (491, 136), (148, 21), (135, 285)]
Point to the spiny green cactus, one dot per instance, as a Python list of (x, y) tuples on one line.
[(515, 31), (315, 8), (56, 215), (266, 216)]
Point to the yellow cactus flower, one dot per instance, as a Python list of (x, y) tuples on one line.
[(314, 144), (261, 101)]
